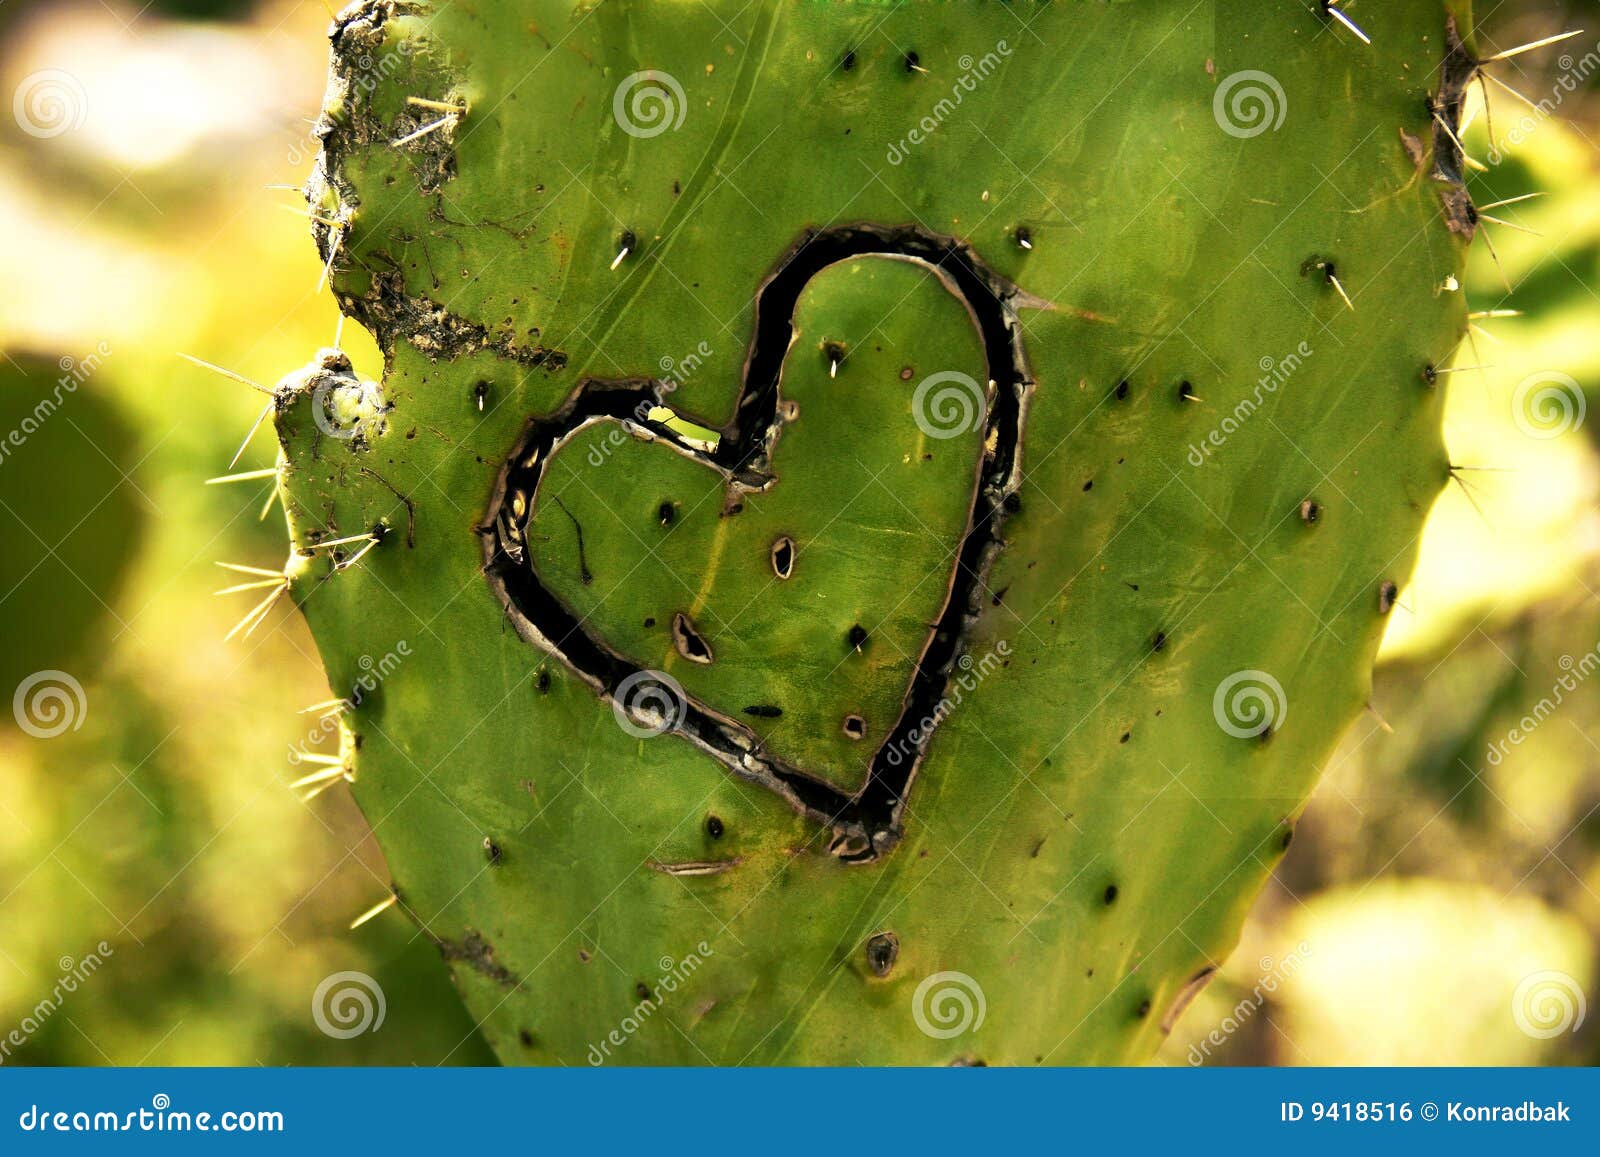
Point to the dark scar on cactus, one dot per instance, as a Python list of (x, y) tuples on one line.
[(868, 822)]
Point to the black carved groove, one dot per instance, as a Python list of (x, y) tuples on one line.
[(869, 821)]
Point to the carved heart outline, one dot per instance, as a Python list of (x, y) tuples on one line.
[(868, 822)]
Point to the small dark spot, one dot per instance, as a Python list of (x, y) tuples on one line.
[(650, 621), (783, 557), (525, 1037), (1121, 392), (583, 956), (1186, 391), (1110, 894), (1310, 511), (714, 827), (491, 850), (1013, 503), (856, 637), (833, 352), (1088, 486), (764, 711), (847, 62), (968, 1063), (626, 240), (1024, 237), (883, 949), (666, 514), (542, 680), (688, 641), (480, 394), (912, 62), (999, 596), (1143, 1010), (643, 991), (1126, 735), (1429, 374), (854, 726), (1387, 593), (1159, 642), (1288, 838)]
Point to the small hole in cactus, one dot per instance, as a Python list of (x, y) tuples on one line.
[(1159, 642), (525, 1037), (542, 680), (650, 621), (491, 850), (643, 991), (1288, 838), (1024, 237), (1143, 1010), (1430, 374), (834, 352), (479, 393), (1110, 895), (1012, 502), (583, 956), (1387, 593), (627, 243), (883, 949), (913, 63), (783, 557), (688, 641), (855, 727), (1122, 389), (1186, 391), (1126, 735), (847, 62), (1088, 486), (789, 410), (856, 637), (1310, 511), (764, 711), (714, 827), (666, 514)]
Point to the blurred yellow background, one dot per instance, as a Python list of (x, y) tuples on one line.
[(1441, 903)]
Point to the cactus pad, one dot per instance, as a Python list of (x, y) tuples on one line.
[(887, 506)]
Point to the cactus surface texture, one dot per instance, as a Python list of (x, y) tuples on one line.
[(875, 514)]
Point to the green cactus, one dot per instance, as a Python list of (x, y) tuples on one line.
[(874, 514)]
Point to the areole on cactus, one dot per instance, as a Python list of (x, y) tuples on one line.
[(888, 507)]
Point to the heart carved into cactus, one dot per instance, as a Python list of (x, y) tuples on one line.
[(927, 582)]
